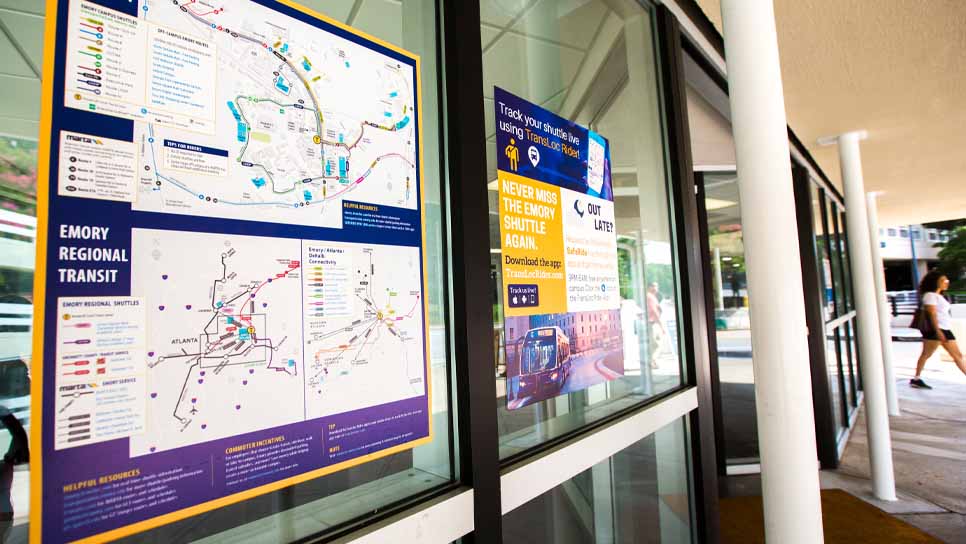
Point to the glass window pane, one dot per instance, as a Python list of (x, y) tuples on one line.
[(823, 256), (846, 263), (311, 507), (835, 246), (836, 389), (856, 369), (596, 67), (18, 198), (18, 225), (638, 495), (731, 317), (845, 354)]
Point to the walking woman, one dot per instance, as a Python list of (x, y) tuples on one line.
[(935, 322)]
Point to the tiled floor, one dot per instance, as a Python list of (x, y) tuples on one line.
[(929, 448)]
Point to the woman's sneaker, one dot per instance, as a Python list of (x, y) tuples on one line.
[(917, 382)]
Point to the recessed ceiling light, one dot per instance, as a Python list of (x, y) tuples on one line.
[(717, 204)]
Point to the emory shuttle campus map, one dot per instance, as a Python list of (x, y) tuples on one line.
[(307, 119)]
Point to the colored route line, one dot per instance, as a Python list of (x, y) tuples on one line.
[(378, 319), (241, 340), (186, 7), (347, 188)]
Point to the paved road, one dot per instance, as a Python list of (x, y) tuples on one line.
[(928, 445), (588, 370)]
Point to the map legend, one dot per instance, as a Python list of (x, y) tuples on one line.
[(109, 53), (327, 285)]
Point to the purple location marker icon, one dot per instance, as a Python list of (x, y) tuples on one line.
[(150, 354), (204, 425), (201, 381), (244, 382), (251, 370), (264, 305), (161, 308), (187, 306), (194, 401), (202, 372), (164, 276), (238, 407), (152, 449), (154, 395)]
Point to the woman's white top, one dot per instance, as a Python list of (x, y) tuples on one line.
[(943, 317)]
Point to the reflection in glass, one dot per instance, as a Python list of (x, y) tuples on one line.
[(291, 513), (846, 263), (835, 246), (640, 495), (823, 257), (18, 224), (731, 318), (854, 374), (845, 352), (835, 380), (592, 65)]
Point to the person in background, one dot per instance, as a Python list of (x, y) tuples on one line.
[(935, 322), (658, 334)]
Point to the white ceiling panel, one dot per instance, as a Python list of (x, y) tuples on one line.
[(894, 69), (20, 107), (489, 119), (488, 34), (336, 9), (28, 31), (501, 12), (618, 126), (514, 60), (27, 6), (569, 22), (13, 63), (554, 103), (20, 128), (381, 18)]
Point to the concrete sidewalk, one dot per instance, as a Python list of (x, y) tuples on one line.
[(929, 449)]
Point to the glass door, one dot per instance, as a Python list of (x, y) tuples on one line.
[(732, 326)]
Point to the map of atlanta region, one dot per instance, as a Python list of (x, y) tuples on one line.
[(247, 333)]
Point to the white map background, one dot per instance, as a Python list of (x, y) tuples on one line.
[(235, 343), (179, 274), (323, 119)]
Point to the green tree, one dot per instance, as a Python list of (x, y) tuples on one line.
[(952, 258)]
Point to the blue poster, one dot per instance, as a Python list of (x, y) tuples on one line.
[(230, 279), (550, 148)]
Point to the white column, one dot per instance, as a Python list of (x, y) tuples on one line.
[(867, 320), (783, 392), (885, 331)]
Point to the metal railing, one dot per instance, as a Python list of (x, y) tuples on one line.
[(903, 302), (18, 224), (906, 302)]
